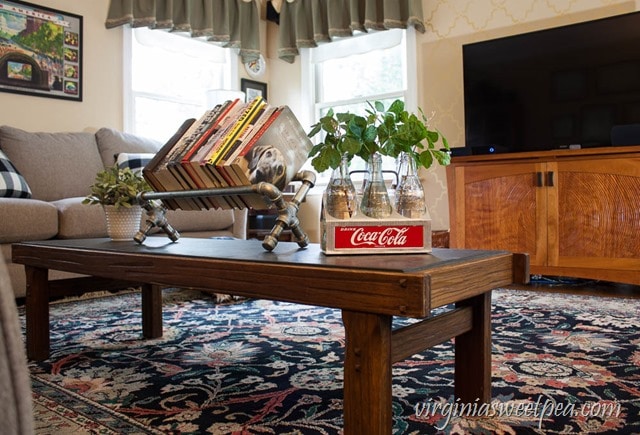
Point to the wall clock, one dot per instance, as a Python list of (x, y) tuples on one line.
[(256, 68)]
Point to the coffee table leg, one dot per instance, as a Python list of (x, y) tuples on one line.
[(367, 373), (151, 311), (37, 313), (473, 353)]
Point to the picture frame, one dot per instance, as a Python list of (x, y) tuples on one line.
[(40, 51), (252, 89)]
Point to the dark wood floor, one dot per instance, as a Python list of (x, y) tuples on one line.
[(580, 286)]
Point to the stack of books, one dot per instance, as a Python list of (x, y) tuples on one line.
[(233, 144)]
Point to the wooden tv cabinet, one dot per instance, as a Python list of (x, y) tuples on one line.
[(576, 212)]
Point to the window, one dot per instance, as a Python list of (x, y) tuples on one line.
[(169, 78), (346, 74)]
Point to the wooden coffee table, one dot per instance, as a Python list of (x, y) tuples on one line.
[(369, 289)]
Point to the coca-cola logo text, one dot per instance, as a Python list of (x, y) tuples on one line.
[(401, 236)]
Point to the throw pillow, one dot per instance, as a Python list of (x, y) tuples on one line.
[(12, 183), (135, 161)]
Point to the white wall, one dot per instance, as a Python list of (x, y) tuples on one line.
[(102, 80)]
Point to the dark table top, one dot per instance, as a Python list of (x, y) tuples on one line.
[(284, 253)]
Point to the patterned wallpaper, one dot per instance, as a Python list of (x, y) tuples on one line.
[(452, 23)]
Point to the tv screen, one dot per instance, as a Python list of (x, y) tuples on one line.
[(558, 88)]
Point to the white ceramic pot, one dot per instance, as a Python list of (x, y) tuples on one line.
[(122, 223)]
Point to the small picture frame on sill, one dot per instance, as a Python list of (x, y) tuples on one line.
[(252, 89)]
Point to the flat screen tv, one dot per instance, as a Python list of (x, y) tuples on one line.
[(565, 87)]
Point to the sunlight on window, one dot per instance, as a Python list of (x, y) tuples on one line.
[(373, 73), (170, 76)]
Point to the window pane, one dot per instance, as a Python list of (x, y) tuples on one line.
[(375, 72), (169, 71), (160, 119), (171, 77)]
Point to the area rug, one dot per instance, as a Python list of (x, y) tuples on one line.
[(561, 364)]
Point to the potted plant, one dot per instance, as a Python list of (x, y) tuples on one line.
[(391, 131), (116, 189)]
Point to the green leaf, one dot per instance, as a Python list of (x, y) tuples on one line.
[(397, 107), (350, 146), (315, 129), (329, 158), (432, 136), (425, 159), (370, 134), (443, 157), (329, 125)]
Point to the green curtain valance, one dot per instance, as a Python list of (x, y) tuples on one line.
[(234, 23), (305, 23)]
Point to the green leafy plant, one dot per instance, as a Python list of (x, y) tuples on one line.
[(118, 187), (389, 131)]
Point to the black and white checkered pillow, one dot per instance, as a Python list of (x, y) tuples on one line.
[(12, 183), (135, 161)]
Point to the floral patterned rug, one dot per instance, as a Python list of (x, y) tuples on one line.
[(561, 364)]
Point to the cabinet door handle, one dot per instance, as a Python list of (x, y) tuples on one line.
[(550, 179), (539, 179)]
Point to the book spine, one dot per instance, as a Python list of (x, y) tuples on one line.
[(173, 140), (195, 136), (219, 111), (171, 184), (181, 162), (188, 137), (236, 129), (148, 172), (248, 117), (164, 171), (209, 183), (214, 143), (185, 183), (244, 133), (199, 155), (233, 203), (222, 166), (252, 131), (211, 201)]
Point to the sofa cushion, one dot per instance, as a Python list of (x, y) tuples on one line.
[(78, 221), (27, 219), (56, 165), (112, 142), (12, 183)]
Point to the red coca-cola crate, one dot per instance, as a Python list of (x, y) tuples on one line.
[(365, 235)]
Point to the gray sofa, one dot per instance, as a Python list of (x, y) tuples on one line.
[(57, 170)]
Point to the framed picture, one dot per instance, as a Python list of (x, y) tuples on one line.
[(252, 89), (40, 51)]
